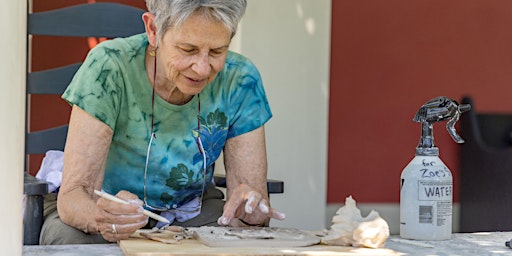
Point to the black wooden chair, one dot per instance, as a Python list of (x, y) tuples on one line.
[(108, 20), (485, 171), (87, 20)]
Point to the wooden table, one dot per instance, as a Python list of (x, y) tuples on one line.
[(460, 244)]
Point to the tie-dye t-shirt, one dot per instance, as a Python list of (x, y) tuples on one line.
[(112, 86)]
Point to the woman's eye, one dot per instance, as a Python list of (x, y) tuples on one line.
[(187, 50), (216, 52)]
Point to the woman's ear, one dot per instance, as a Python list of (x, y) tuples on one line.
[(149, 24)]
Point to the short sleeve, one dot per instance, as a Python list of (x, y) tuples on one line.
[(248, 105), (97, 86)]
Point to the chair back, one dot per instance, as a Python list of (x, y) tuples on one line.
[(106, 20), (485, 170)]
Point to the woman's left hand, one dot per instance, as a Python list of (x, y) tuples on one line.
[(247, 207)]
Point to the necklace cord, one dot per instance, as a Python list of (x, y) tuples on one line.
[(153, 136)]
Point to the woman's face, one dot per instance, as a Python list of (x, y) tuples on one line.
[(193, 54)]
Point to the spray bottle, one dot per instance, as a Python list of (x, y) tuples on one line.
[(426, 183)]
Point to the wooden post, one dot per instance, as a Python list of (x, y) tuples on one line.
[(12, 113)]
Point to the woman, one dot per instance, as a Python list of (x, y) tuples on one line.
[(151, 114)]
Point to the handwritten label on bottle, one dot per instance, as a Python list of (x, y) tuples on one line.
[(434, 190)]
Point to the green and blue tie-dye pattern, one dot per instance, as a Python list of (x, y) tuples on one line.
[(112, 85), (213, 130)]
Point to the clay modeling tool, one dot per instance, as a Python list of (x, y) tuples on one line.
[(119, 200)]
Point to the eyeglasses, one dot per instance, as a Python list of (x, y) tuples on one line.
[(201, 150), (168, 207)]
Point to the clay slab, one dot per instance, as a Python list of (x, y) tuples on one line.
[(254, 237)]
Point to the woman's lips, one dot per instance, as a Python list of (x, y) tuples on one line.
[(195, 81)]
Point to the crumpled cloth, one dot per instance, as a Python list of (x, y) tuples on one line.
[(51, 169), (180, 215)]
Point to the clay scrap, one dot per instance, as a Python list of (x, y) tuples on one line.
[(349, 228), (167, 235)]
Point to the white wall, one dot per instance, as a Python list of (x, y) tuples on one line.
[(289, 41), (12, 112)]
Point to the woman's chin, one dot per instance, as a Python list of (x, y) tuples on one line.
[(192, 90)]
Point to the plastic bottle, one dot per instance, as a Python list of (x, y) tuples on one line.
[(426, 190)]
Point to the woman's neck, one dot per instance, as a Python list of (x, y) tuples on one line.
[(175, 96)]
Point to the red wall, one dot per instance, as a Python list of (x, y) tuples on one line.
[(387, 59)]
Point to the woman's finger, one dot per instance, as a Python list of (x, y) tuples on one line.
[(253, 200), (238, 197), (274, 214)]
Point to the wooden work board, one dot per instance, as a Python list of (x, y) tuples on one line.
[(189, 247)]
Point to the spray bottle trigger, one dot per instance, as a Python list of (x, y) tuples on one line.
[(450, 125)]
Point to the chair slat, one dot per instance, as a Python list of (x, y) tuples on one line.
[(40, 142), (88, 20), (51, 81)]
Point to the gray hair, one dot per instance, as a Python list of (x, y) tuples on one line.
[(173, 13)]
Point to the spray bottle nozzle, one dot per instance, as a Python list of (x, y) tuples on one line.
[(436, 110)]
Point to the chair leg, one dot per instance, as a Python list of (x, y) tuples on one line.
[(32, 219), (34, 190)]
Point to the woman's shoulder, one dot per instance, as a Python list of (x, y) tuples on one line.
[(125, 42), (237, 58), (123, 48), (238, 63), (239, 73)]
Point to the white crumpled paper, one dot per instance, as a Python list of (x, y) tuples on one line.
[(349, 228), (51, 169)]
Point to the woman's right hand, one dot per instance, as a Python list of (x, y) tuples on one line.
[(118, 221)]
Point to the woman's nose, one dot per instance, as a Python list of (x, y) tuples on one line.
[(201, 65)]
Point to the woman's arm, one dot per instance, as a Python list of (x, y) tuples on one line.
[(85, 156), (245, 160)]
